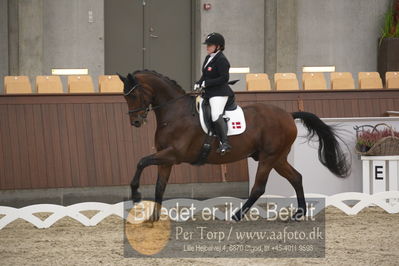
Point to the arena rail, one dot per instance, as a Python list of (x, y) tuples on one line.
[(388, 201)]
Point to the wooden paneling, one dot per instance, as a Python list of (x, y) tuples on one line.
[(85, 140), (328, 103), (49, 141)]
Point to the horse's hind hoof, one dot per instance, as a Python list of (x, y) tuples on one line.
[(136, 197)]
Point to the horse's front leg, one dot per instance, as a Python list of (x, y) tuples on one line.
[(162, 181), (163, 157)]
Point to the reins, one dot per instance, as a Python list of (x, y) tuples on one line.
[(150, 107)]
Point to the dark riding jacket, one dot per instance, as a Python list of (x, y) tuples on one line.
[(216, 76)]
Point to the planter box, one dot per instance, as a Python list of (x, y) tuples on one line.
[(388, 56)]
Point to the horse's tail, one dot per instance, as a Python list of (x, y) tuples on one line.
[(330, 152)]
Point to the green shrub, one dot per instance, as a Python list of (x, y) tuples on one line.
[(391, 22)]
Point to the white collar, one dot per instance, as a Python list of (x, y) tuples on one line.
[(212, 55)]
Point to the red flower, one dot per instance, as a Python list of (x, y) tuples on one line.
[(368, 137)]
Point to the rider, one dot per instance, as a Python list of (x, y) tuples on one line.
[(214, 79)]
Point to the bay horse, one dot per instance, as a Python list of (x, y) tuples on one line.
[(268, 138)]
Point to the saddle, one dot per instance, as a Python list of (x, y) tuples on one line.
[(233, 115)]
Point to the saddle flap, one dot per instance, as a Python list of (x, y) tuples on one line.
[(235, 118)]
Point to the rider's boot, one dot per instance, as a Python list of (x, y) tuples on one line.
[(221, 131)]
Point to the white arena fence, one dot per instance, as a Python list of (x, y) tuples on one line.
[(388, 201)]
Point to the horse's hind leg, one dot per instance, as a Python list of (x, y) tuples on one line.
[(262, 174), (295, 179)]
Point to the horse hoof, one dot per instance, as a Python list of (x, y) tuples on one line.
[(136, 197), (148, 224)]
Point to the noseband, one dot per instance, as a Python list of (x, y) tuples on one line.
[(146, 109)]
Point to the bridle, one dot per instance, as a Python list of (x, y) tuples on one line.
[(146, 109), (149, 107)]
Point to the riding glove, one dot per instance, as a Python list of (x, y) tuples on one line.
[(198, 86)]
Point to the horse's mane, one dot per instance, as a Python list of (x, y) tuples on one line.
[(159, 75)]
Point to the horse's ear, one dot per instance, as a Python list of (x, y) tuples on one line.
[(122, 78), (130, 78)]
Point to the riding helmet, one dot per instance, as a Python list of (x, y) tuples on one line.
[(215, 39)]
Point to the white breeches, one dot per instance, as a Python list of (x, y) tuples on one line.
[(217, 104)]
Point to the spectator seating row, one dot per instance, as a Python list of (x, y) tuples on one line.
[(317, 81), (255, 82), (53, 84)]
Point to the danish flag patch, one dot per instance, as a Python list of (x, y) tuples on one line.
[(236, 125), (209, 68)]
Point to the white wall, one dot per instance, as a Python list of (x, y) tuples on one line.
[(317, 178), (52, 34), (3, 40), (340, 32), (242, 24), (298, 33), (320, 32), (70, 40)]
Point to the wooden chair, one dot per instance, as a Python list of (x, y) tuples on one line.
[(286, 81), (253, 76), (392, 80), (370, 80), (49, 84), (110, 84), (17, 85), (278, 76), (80, 84), (313, 81), (312, 75), (258, 82), (287, 84), (342, 81), (341, 75)]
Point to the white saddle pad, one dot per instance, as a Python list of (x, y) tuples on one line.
[(236, 124)]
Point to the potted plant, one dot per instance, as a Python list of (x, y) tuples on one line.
[(364, 143), (388, 48), (378, 140)]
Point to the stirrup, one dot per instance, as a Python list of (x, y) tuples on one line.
[(223, 148)]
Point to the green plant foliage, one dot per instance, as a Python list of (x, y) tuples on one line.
[(391, 21)]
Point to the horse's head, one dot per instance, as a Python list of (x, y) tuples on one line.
[(137, 99), (144, 88)]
